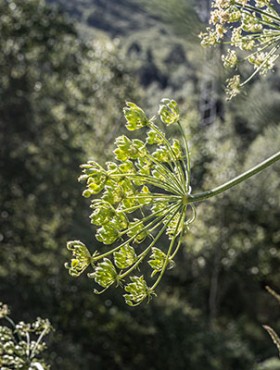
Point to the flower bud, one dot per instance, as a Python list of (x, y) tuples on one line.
[(81, 258), (169, 111), (135, 117), (137, 291)]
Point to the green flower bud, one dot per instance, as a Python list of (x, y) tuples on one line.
[(125, 257), (42, 325), (233, 86), (159, 206), (174, 226), (157, 261), (107, 234), (87, 193), (95, 176), (102, 214), (154, 138), (137, 231), (145, 192), (157, 173), (112, 167), (169, 111), (177, 150), (135, 117), (127, 167), (9, 347), (162, 154), (129, 149), (120, 221), (105, 273), (81, 260), (137, 291)]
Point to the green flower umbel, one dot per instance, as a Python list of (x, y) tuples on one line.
[(141, 197)]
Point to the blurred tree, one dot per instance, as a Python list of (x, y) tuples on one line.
[(233, 247), (58, 100)]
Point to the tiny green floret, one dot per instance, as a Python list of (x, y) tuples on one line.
[(137, 291), (105, 273), (169, 111), (157, 261), (135, 117), (81, 260)]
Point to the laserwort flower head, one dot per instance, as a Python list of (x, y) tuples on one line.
[(135, 202), (253, 27)]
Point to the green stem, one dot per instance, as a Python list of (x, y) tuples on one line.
[(177, 165), (146, 251), (188, 165), (150, 180), (237, 180), (160, 218), (272, 51), (254, 9), (170, 249), (168, 174)]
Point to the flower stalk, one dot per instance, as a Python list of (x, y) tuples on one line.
[(199, 197)]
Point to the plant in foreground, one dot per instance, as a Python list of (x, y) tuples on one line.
[(141, 197), (138, 199), (253, 27), (21, 344)]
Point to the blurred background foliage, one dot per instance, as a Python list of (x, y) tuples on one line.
[(66, 69)]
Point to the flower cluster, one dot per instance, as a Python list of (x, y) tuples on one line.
[(135, 201), (18, 350), (253, 27)]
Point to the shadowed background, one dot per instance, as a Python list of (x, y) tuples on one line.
[(67, 68)]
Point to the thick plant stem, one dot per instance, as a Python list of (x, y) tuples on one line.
[(237, 180)]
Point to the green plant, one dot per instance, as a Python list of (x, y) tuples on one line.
[(147, 194), (21, 344), (143, 196)]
